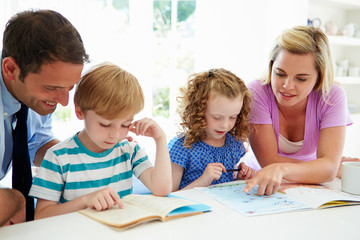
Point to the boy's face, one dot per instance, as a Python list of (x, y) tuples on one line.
[(100, 133)]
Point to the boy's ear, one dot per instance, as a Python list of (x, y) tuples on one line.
[(10, 69), (78, 112)]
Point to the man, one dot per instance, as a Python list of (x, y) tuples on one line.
[(42, 59)]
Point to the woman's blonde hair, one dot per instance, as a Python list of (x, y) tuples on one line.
[(110, 92), (194, 97), (307, 40)]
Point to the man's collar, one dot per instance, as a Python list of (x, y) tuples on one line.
[(11, 105)]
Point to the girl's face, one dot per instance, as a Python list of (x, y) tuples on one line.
[(101, 134), (293, 77), (220, 116)]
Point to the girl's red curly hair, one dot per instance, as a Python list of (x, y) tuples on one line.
[(193, 100)]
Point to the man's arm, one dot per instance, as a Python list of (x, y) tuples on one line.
[(12, 206), (39, 155)]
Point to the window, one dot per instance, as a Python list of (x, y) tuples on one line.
[(162, 42)]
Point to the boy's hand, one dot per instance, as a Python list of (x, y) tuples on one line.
[(212, 172), (246, 172), (147, 127), (103, 199)]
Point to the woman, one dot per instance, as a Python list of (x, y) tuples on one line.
[(299, 116)]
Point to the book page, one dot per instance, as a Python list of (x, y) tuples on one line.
[(251, 204), (142, 208), (318, 196), (161, 205), (121, 217)]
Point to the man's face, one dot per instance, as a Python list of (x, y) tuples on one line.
[(42, 91)]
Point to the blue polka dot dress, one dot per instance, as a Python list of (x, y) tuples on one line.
[(195, 160)]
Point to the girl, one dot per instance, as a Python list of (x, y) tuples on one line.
[(214, 109)]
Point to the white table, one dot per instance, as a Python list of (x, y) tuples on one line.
[(222, 223)]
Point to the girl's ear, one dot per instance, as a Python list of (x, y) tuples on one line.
[(78, 112)]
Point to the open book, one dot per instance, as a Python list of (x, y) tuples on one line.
[(290, 197), (143, 208)]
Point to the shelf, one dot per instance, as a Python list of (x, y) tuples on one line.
[(344, 41), (347, 80), (342, 12)]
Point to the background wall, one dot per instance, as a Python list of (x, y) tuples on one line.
[(233, 34)]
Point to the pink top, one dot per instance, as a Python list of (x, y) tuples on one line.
[(319, 115)]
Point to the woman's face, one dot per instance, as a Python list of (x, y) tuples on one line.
[(293, 77)]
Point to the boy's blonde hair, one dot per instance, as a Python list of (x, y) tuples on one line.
[(194, 97), (110, 92), (307, 40)]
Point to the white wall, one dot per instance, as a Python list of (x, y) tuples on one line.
[(234, 34), (238, 35)]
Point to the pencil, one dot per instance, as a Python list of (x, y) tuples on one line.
[(233, 170)]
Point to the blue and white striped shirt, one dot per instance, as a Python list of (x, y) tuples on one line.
[(69, 170)]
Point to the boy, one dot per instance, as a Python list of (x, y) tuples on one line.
[(94, 168)]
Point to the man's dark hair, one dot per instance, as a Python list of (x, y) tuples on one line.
[(37, 37)]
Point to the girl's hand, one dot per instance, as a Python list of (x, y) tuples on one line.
[(268, 178), (147, 127), (246, 172), (212, 172), (103, 199)]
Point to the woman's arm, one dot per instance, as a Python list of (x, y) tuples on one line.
[(275, 168), (264, 145)]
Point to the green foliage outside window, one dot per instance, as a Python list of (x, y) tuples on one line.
[(162, 15), (161, 101), (181, 56), (185, 9), (62, 113), (120, 4)]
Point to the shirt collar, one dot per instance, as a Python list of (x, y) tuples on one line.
[(11, 105)]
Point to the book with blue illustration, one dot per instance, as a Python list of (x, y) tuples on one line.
[(290, 197)]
